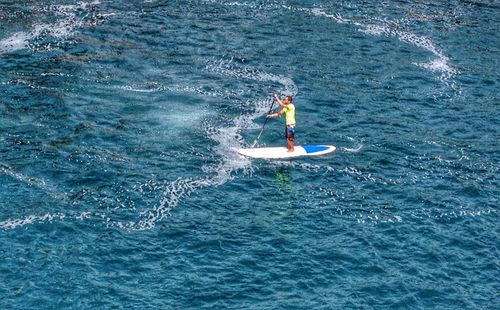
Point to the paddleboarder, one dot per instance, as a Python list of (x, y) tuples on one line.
[(288, 108)]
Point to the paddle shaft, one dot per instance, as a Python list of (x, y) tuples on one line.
[(263, 125)]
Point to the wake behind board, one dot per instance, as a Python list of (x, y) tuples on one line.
[(282, 153)]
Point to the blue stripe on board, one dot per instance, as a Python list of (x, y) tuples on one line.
[(314, 148)]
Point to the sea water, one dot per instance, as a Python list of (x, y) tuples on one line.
[(120, 186)]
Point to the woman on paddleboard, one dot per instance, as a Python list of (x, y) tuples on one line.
[(288, 108)]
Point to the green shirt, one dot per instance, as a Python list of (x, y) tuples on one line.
[(290, 114)]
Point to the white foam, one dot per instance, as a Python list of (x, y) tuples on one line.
[(254, 6), (61, 29), (321, 12), (439, 65), (227, 68), (173, 88), (390, 29), (383, 27), (352, 150), (31, 219), (40, 184), (15, 42), (172, 195), (35, 182), (228, 139)]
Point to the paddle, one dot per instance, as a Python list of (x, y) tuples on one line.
[(262, 129)]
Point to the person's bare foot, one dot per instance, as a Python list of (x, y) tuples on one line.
[(290, 150)]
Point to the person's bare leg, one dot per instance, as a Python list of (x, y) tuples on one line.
[(290, 145)]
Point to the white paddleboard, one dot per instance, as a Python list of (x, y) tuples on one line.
[(282, 152)]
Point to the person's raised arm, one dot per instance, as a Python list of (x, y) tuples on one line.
[(279, 100)]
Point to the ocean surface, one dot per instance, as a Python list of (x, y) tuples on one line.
[(120, 186)]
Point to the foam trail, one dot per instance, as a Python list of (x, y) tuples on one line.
[(440, 64), (175, 89), (24, 40), (38, 183), (62, 29), (319, 12), (387, 28), (42, 185), (14, 223), (226, 68), (228, 140)]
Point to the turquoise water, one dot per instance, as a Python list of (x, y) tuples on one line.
[(120, 186)]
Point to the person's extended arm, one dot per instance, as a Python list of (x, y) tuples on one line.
[(280, 112)]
